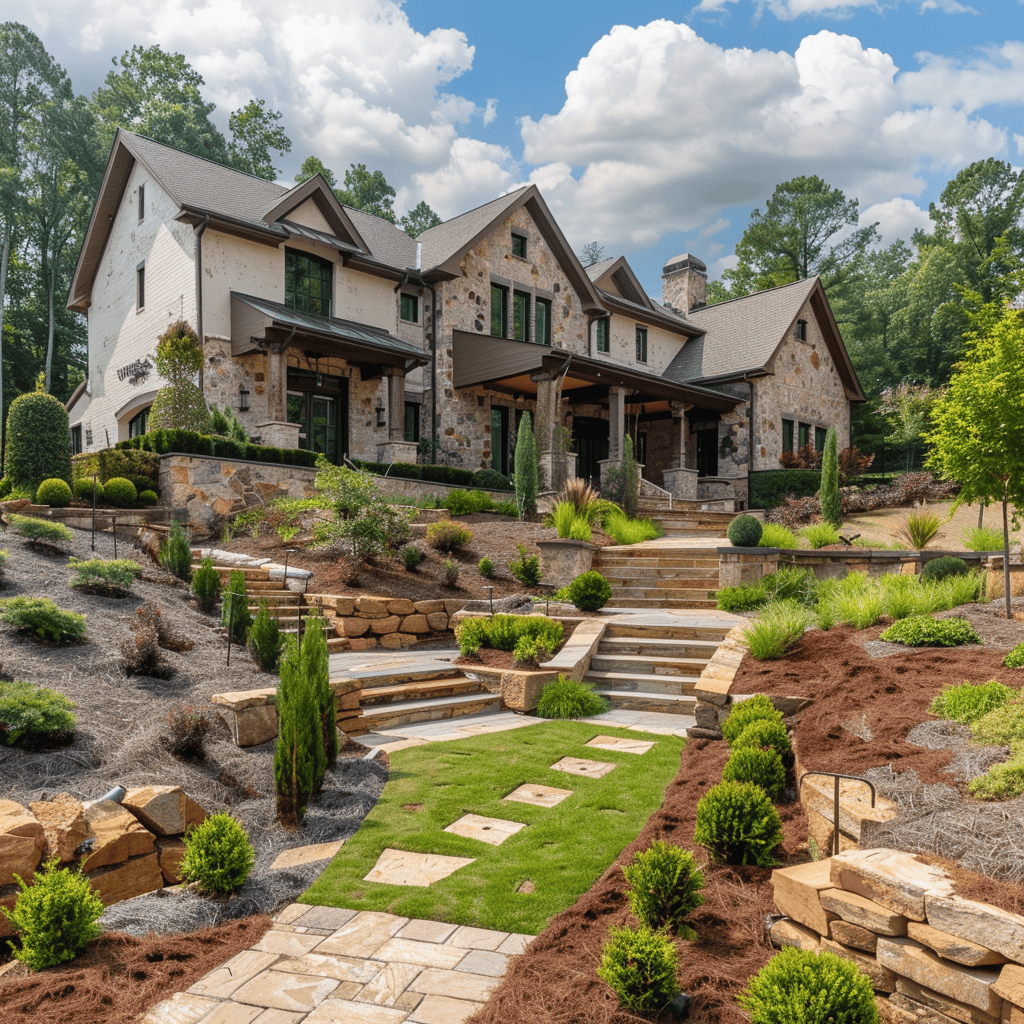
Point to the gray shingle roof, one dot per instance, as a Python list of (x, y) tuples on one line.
[(388, 244), (595, 270), (440, 242)]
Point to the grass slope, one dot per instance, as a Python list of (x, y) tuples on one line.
[(562, 852)]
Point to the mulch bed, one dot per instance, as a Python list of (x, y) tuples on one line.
[(119, 977)]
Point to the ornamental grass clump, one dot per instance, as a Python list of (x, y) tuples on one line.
[(967, 702), (798, 986), (742, 598), (738, 824), (624, 530), (776, 630), (34, 717), (565, 698), (109, 578), (758, 708), (664, 885), (41, 617), (861, 609), (218, 854), (640, 966), (924, 631), (1001, 782), (919, 530), (984, 538), (775, 535), (760, 765), (821, 535)]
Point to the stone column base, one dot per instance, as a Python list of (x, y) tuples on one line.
[(397, 451), (276, 434), (681, 483), (564, 559)]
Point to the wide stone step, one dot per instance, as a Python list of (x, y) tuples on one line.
[(682, 631), (388, 715), (428, 689), (669, 592), (680, 685), (653, 603), (612, 562), (393, 677), (689, 668), (684, 575), (661, 703), (657, 647)]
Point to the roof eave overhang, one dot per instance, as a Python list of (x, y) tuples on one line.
[(836, 346), (317, 190), (196, 215), (649, 316)]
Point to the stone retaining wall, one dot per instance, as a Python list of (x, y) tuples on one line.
[(930, 952), (393, 623)]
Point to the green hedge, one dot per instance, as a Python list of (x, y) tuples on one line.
[(769, 486), (437, 474), (141, 467), (188, 442)]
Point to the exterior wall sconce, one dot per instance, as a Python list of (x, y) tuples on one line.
[(243, 398), (380, 412), (315, 357)]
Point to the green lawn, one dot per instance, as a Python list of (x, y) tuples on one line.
[(562, 852)]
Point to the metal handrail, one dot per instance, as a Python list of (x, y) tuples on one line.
[(835, 813), (658, 490)]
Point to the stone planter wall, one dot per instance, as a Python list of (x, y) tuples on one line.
[(563, 560)]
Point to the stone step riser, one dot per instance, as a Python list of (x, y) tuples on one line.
[(666, 689), (650, 702), (668, 649), (651, 603), (613, 562), (398, 678), (693, 572), (384, 718), (377, 696), (633, 632), (689, 669), (666, 593)]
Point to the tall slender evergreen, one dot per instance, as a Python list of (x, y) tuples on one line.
[(831, 503), (526, 476), (314, 668), (298, 738)]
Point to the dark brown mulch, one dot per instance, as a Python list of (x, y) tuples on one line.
[(119, 977)]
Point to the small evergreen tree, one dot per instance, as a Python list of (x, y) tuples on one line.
[(299, 738), (235, 615), (831, 504), (180, 405), (176, 553), (314, 663), (526, 477)]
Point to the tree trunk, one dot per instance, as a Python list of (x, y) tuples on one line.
[(49, 335), (1006, 557), (4, 256), (981, 515)]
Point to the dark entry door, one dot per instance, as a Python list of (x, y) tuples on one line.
[(707, 451), (499, 439), (590, 436), (320, 408)]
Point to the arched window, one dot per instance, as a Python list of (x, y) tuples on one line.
[(137, 424)]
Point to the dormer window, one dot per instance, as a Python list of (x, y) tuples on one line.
[(307, 283)]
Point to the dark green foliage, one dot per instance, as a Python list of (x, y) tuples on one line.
[(756, 709), (791, 584), (744, 531), (464, 503), (492, 480), (589, 591), (148, 499), (141, 467), (5, 487), (769, 487), (176, 553), (37, 530), (947, 565), (766, 733), (300, 745), (447, 536), (265, 639), (218, 854), (235, 615), (83, 490), (120, 493), (451, 573), (38, 441), (640, 966), (432, 474), (34, 716), (110, 577), (525, 568), (180, 404), (1015, 658), (412, 556), (41, 617), (225, 423), (206, 585), (486, 567), (188, 726), (831, 503), (798, 986), (526, 479), (924, 631), (54, 493), (737, 824), (565, 698), (190, 442), (314, 666), (665, 885), (55, 917), (759, 765)]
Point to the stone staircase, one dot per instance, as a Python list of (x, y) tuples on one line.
[(654, 667), (656, 576), (686, 518)]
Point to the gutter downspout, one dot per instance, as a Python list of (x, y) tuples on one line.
[(198, 231)]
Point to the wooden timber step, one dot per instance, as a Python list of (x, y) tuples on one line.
[(657, 647), (633, 664), (427, 689), (662, 703), (405, 712)]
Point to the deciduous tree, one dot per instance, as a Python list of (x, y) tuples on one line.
[(255, 133)]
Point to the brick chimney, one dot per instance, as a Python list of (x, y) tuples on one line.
[(684, 283)]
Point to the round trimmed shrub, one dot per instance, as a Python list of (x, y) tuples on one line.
[(120, 493), (640, 966), (83, 490), (947, 565), (665, 885), (738, 824), (218, 854), (486, 568), (745, 532), (589, 591), (766, 733), (759, 765), (53, 492), (491, 479), (798, 986), (758, 708), (148, 498), (38, 441)]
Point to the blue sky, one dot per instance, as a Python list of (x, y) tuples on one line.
[(653, 128)]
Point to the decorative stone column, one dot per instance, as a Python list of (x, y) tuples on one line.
[(546, 418), (679, 480), (616, 430), (396, 448), (276, 431)]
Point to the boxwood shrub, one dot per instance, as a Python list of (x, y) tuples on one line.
[(738, 824), (53, 492), (38, 441), (940, 568), (744, 531), (188, 442), (758, 708), (120, 492)]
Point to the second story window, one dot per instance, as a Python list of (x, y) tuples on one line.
[(641, 344), (521, 316), (410, 309), (499, 311), (307, 283), (519, 246), (602, 335), (542, 319), (142, 202), (140, 286)]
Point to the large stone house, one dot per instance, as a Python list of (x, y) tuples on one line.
[(331, 329)]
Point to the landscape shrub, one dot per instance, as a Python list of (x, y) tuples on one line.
[(464, 503), (471, 634), (760, 765), (447, 536), (738, 824), (412, 556), (589, 591), (40, 616), (766, 734), (775, 535), (568, 521), (300, 743), (1001, 727), (451, 573), (745, 532), (180, 403), (769, 488), (313, 652), (218, 854), (984, 538), (919, 530), (110, 578), (742, 598), (821, 535), (1003, 781), (831, 505), (758, 708), (191, 442), (53, 492), (664, 885), (38, 531), (38, 442), (967, 702), (188, 728), (924, 631), (55, 917), (141, 651), (234, 614), (1015, 657), (531, 651), (503, 632), (791, 584), (526, 478), (624, 530), (525, 568), (566, 698), (485, 567), (206, 585), (776, 630), (363, 515), (34, 717), (798, 986), (5, 488), (83, 490), (492, 480), (640, 966), (148, 498), (226, 423), (940, 568), (176, 553), (120, 493), (506, 508), (266, 639)]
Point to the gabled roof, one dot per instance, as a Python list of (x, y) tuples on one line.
[(630, 299), (317, 191), (741, 336)]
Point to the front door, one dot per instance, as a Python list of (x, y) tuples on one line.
[(707, 451), (590, 436), (319, 405)]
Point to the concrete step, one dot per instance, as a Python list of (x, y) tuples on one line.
[(644, 682), (662, 703), (684, 631), (389, 715), (428, 689), (689, 668), (657, 647)]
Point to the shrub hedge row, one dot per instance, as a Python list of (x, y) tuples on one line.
[(188, 442), (769, 486), (438, 474)]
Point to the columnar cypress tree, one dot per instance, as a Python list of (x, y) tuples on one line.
[(298, 738), (235, 614), (526, 478), (314, 667), (831, 504)]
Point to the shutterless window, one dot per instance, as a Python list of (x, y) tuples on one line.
[(142, 201), (819, 438), (410, 309), (76, 440), (138, 423), (805, 434), (519, 246), (307, 283), (412, 421), (140, 286), (787, 435), (801, 330), (641, 344), (542, 319), (602, 335), (521, 316), (499, 311)]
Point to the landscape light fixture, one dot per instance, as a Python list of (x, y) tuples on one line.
[(243, 398)]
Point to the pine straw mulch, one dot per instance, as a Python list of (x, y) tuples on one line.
[(119, 977)]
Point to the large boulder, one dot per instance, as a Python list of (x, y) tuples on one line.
[(119, 835), (22, 840), (64, 822)]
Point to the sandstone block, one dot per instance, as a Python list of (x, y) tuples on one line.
[(372, 605), (344, 605), (882, 979), (160, 808), (972, 986), (398, 641), (789, 933), (858, 910), (453, 605), (429, 607), (895, 880), (822, 831), (853, 935), (169, 853), (818, 794), (1010, 985), (22, 840), (251, 726), (415, 624), (796, 894), (347, 701), (354, 627), (400, 606), (389, 624), (63, 820), (437, 621), (952, 947), (8, 897), (194, 814), (981, 923), (123, 881), (362, 643), (119, 835), (936, 1001)]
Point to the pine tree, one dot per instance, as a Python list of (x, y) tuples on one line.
[(831, 503), (298, 738), (526, 479), (314, 668), (235, 615)]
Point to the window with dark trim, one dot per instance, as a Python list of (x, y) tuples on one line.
[(142, 202), (519, 246), (140, 286), (602, 334), (499, 311), (641, 344), (307, 282), (542, 319), (640, 448), (805, 434), (410, 308), (137, 424), (412, 421), (820, 433), (787, 435), (76, 440), (801, 330), (521, 316)]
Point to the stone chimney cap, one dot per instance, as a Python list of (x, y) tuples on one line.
[(685, 261)]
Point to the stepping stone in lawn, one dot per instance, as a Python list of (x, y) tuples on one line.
[(488, 830), (627, 746), (300, 855), (541, 796), (578, 766), (399, 867)]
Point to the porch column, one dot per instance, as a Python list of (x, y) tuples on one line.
[(678, 479), (616, 422), (396, 448), (277, 431), (546, 418)]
